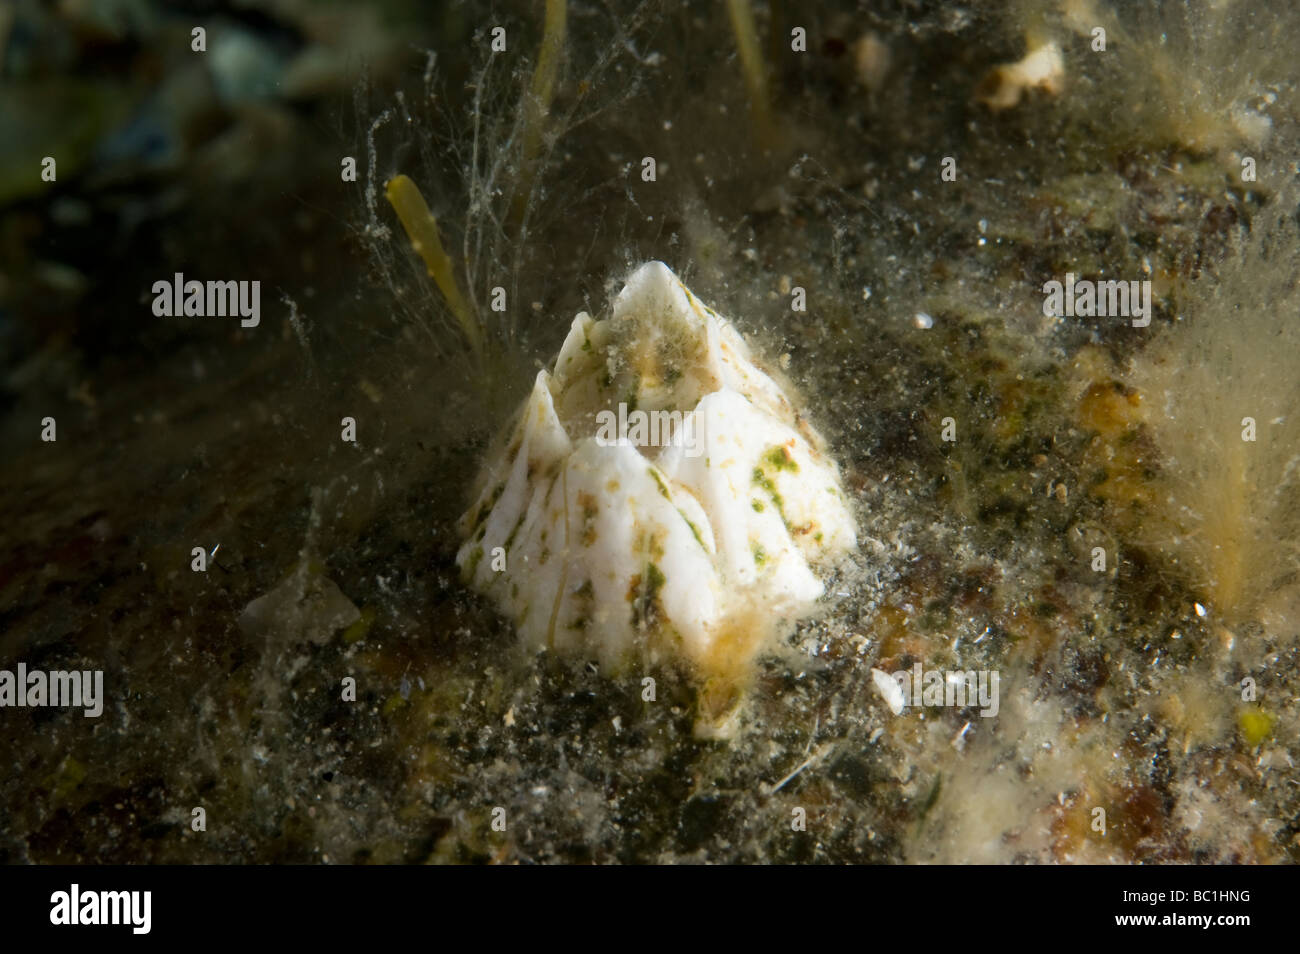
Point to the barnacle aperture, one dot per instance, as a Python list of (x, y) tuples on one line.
[(659, 494)]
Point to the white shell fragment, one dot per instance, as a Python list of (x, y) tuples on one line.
[(889, 689), (659, 494), (1042, 68)]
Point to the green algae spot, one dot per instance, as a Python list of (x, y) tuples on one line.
[(695, 530), (765, 482), (589, 511), (779, 457), (471, 568), (663, 488), (655, 580), (358, 630), (485, 508), (511, 539), (1256, 725), (644, 595)]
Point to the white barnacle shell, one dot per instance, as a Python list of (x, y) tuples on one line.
[(659, 494)]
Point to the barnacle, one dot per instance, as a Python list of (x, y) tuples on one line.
[(659, 497)]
